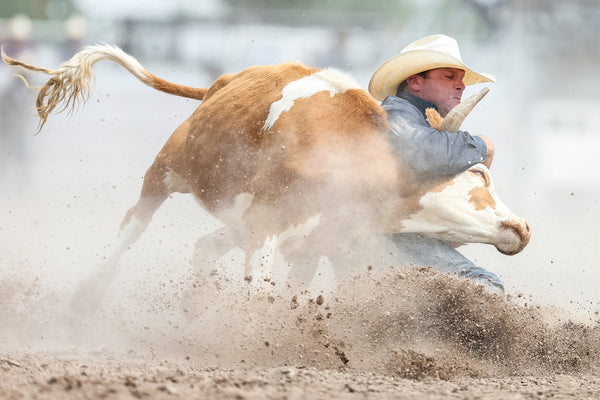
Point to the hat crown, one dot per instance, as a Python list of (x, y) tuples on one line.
[(440, 43)]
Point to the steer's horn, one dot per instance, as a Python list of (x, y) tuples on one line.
[(457, 115)]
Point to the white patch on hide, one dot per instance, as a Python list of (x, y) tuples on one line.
[(330, 80), (449, 214), (455, 215), (429, 220)]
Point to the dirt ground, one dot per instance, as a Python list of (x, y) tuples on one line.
[(123, 376), (403, 334)]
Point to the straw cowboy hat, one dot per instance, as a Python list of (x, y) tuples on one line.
[(437, 51)]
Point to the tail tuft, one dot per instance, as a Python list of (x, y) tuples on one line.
[(72, 82)]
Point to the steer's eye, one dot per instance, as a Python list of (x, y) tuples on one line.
[(482, 175)]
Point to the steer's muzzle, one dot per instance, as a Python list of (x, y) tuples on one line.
[(514, 236)]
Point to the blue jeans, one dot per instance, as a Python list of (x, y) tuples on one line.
[(421, 250)]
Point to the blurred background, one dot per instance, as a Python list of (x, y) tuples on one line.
[(63, 192)]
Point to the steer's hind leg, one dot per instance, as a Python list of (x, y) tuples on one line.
[(207, 281), (92, 290)]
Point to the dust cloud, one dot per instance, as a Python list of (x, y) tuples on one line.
[(407, 322)]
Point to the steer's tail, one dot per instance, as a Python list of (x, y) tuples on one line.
[(72, 81)]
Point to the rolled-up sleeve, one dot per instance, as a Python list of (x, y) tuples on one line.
[(432, 153)]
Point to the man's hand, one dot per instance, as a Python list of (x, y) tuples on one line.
[(490, 151)]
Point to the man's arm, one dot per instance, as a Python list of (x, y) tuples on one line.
[(434, 153)]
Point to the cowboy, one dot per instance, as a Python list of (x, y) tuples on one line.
[(429, 73)]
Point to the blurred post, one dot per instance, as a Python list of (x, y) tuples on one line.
[(17, 110), (75, 30)]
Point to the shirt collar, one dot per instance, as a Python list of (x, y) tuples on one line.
[(418, 102)]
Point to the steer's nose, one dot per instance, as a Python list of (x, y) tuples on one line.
[(520, 231), (524, 231), (527, 231)]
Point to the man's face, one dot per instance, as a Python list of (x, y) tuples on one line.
[(443, 87)]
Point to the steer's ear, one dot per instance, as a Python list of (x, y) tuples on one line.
[(434, 118)]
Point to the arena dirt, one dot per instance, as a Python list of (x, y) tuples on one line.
[(398, 333)]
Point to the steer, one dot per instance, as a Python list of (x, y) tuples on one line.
[(281, 154)]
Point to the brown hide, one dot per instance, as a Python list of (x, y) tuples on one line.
[(224, 141)]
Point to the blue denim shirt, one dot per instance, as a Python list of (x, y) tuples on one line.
[(431, 153)]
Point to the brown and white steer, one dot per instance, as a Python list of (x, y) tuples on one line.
[(282, 154)]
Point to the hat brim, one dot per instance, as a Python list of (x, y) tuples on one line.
[(394, 71)]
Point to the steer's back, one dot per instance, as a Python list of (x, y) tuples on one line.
[(222, 145), (283, 131)]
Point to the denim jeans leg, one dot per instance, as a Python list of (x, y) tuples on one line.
[(421, 250)]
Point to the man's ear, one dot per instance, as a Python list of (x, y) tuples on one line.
[(415, 82)]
